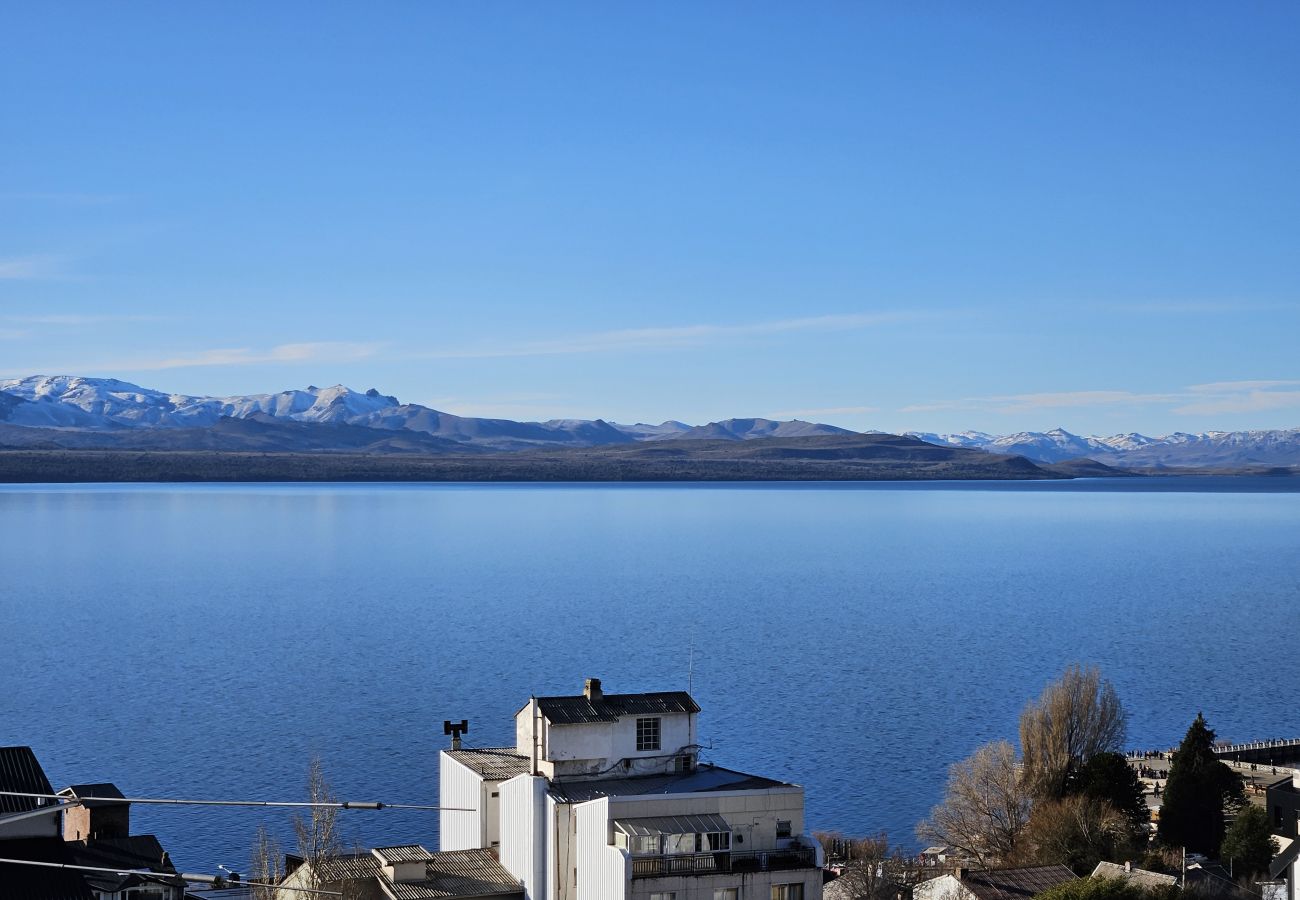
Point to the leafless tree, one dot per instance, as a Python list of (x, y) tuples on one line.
[(319, 840), (1075, 831), (267, 864), (1076, 718), (985, 809)]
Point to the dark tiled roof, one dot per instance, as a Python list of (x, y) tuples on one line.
[(20, 771), (703, 779), (1015, 884), (103, 789), (21, 882), (581, 710), (140, 851), (493, 763)]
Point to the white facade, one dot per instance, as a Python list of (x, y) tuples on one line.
[(613, 805)]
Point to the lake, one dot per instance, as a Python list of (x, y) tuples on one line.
[(205, 641)]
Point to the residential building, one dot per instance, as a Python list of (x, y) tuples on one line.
[(1282, 799), (992, 884), (1284, 874), (603, 797), (408, 872), (70, 830), (1140, 877)]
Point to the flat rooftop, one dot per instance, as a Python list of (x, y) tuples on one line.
[(704, 778)]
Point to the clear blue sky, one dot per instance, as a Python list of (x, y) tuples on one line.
[(930, 216)]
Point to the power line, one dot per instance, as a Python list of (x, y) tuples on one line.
[(347, 804), (183, 876)]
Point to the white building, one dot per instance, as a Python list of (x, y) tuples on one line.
[(602, 798)]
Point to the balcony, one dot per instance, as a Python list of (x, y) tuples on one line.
[(722, 863)]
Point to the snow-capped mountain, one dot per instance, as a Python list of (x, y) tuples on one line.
[(1207, 449), (104, 404)]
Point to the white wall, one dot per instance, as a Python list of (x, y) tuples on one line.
[(752, 815), (594, 748), (604, 871), (525, 833), (751, 885), (459, 786), (945, 887)]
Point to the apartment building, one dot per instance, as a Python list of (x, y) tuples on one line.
[(603, 797)]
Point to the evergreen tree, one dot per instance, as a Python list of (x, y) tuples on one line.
[(1248, 847), (1199, 789), (1108, 776)]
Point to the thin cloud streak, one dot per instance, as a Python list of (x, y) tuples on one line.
[(28, 268), (671, 337), (282, 354), (1200, 399), (79, 319)]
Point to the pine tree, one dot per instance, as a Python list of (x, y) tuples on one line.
[(1199, 789)]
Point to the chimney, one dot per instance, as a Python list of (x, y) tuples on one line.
[(1128, 865), (591, 689), (958, 873)]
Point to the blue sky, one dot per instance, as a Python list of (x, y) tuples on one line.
[(931, 216)]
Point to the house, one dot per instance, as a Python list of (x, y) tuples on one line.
[(1282, 800), (603, 797), (992, 884), (1284, 874), (69, 830), (408, 872), (1140, 877)]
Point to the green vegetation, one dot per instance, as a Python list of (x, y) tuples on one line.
[(1107, 889), (1248, 846), (1200, 789)]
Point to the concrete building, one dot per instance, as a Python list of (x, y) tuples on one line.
[(603, 797), (1282, 799)]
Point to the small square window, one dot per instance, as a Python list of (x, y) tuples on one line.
[(783, 829), (726, 894), (647, 734), (787, 892)]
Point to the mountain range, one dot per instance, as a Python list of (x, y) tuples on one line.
[(71, 413)]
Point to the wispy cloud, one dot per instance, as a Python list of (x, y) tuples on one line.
[(75, 319), (13, 334), (28, 268), (282, 354), (663, 338), (1198, 399)]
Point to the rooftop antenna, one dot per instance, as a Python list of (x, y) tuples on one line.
[(455, 729)]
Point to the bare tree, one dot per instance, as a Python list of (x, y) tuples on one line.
[(267, 865), (1076, 718), (986, 806), (319, 840), (1077, 832)]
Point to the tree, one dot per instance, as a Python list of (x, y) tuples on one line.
[(267, 865), (869, 871), (1199, 788), (1248, 846), (318, 835), (985, 808), (1077, 832), (1075, 718), (1108, 777), (1106, 889)]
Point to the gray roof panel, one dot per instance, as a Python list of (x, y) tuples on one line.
[(582, 710)]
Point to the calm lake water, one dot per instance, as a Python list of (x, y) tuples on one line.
[(204, 641)]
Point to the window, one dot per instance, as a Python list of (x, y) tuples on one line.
[(787, 892), (718, 841), (664, 895), (726, 894), (783, 828), (647, 734)]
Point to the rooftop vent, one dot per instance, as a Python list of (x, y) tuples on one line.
[(591, 689)]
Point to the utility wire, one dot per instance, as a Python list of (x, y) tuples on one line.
[(348, 804), (183, 876)]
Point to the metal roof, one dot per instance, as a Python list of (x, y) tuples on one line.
[(20, 771), (140, 851), (583, 710), (402, 853), (459, 873), (1014, 884), (704, 778), (1141, 877), (493, 763), (37, 882), (656, 825)]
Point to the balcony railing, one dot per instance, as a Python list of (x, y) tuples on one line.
[(722, 863)]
